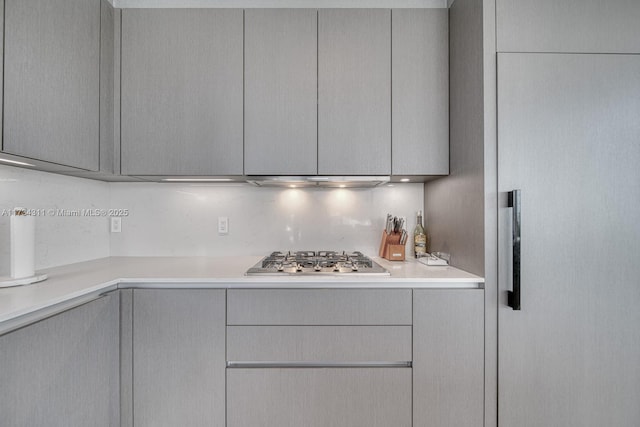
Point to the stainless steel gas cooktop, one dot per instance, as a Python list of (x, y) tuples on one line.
[(311, 263)]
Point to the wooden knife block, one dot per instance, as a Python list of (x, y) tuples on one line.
[(390, 247)]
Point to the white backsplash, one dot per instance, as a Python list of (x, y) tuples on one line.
[(59, 239), (181, 219)]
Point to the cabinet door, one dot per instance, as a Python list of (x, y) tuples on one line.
[(343, 397), (448, 358), (281, 111), (354, 92), (179, 357), (52, 81), (63, 371), (420, 92), (568, 139), (580, 26), (182, 91)]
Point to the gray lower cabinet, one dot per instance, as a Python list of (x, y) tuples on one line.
[(354, 91), (182, 92), (319, 307), (420, 92), (448, 358), (319, 357), (280, 101), (52, 81), (63, 371), (337, 397), (178, 358)]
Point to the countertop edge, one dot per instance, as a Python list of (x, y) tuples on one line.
[(17, 319)]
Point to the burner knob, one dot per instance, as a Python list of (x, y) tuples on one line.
[(299, 268), (354, 267), (317, 267), (279, 267), (336, 267)]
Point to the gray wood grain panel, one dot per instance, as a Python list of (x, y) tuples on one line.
[(455, 205), (319, 343), (319, 307), (420, 92), (568, 138), (281, 83), (63, 371), (179, 357), (182, 91), (568, 26), (51, 81), (354, 92), (319, 397), (448, 362), (126, 357), (490, 217), (107, 56)]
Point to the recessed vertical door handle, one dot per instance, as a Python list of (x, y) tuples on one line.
[(516, 239)]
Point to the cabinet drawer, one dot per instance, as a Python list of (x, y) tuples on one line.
[(334, 344), (360, 397), (319, 307)]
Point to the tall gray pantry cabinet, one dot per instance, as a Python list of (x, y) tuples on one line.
[(576, 339), (568, 138)]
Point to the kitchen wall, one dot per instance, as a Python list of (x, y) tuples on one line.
[(181, 219), (61, 237)]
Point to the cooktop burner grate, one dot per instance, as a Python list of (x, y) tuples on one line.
[(316, 263)]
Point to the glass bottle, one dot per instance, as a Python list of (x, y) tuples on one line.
[(419, 238)]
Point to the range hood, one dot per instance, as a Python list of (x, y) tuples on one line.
[(318, 181)]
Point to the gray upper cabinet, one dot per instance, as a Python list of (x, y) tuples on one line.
[(63, 371), (179, 357), (420, 92), (51, 81), (354, 92), (280, 109), (181, 84), (572, 26)]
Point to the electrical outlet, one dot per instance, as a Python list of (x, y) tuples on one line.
[(223, 225), (116, 224)]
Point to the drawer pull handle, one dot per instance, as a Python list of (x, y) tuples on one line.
[(405, 364)]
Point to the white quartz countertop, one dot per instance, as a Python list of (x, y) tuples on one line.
[(88, 279)]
